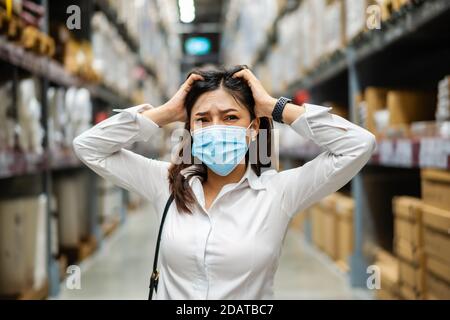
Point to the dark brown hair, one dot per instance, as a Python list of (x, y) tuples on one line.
[(214, 79)]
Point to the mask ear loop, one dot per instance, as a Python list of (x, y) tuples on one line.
[(252, 138)]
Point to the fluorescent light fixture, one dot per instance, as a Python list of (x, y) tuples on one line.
[(187, 10)]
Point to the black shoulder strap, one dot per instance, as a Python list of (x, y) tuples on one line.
[(155, 274)]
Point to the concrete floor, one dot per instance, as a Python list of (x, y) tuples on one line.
[(121, 268)]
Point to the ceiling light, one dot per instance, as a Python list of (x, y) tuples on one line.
[(187, 10)]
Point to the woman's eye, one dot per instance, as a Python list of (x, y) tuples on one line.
[(201, 120), (231, 117)]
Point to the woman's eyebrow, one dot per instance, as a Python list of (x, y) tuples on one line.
[(228, 110), (221, 111), (201, 113)]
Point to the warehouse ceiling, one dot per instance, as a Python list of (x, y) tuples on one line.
[(208, 24), (208, 10)]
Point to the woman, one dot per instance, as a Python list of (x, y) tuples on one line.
[(223, 234)]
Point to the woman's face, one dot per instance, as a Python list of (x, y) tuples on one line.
[(218, 107)]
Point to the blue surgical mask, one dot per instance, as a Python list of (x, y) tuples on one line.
[(220, 147)]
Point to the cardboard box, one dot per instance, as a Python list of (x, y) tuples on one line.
[(406, 107), (409, 231), (408, 208), (437, 244), (408, 236), (412, 276), (389, 7), (299, 220), (315, 9), (23, 245), (317, 226), (72, 204), (408, 293), (83, 215), (383, 294), (329, 202), (438, 268), (68, 212), (334, 26), (389, 269), (408, 252), (344, 211), (437, 289), (330, 226), (356, 17), (330, 234), (435, 218), (376, 100), (436, 188)]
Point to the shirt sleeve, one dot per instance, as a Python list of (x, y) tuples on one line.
[(102, 149), (347, 147)]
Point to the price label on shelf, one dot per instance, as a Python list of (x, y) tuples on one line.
[(434, 152), (404, 153), (387, 152)]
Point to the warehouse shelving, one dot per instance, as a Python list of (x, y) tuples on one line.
[(111, 15), (53, 71), (34, 174), (16, 163), (413, 47), (399, 152), (401, 26), (261, 54)]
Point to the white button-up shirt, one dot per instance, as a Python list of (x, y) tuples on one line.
[(231, 250)]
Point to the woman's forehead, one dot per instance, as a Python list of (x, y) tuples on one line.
[(216, 100)]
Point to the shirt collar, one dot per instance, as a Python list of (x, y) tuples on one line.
[(250, 176)]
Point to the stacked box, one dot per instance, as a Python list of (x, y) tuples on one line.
[(389, 276), (330, 230), (23, 245), (389, 7), (436, 188), (406, 106), (334, 26), (376, 100), (71, 195), (317, 218), (344, 212), (332, 227), (395, 110), (356, 17), (408, 246), (299, 220), (315, 10), (437, 250), (68, 212)]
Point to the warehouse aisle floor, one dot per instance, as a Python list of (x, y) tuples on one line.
[(120, 270)]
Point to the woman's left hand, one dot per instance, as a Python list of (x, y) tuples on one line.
[(264, 102)]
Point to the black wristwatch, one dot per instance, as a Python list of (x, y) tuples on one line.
[(277, 113)]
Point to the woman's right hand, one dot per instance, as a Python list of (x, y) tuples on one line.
[(173, 110), (176, 103)]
